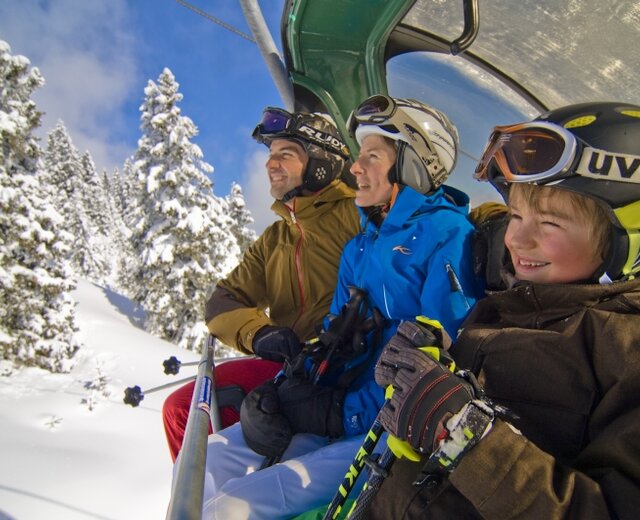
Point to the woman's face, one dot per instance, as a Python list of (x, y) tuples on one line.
[(371, 171)]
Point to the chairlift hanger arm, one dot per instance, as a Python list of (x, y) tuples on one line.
[(471, 27)]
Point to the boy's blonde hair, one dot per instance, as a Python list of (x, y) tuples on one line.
[(582, 207)]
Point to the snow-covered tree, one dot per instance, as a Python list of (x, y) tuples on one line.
[(69, 178), (240, 218), (119, 245), (127, 192), (180, 229), (37, 316)]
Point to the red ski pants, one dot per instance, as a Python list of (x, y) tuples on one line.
[(245, 373)]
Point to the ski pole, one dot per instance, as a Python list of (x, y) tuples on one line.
[(352, 312), (379, 471), (173, 364), (358, 463), (188, 486), (134, 394)]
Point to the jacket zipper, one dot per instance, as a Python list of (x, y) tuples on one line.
[(298, 263), (455, 286)]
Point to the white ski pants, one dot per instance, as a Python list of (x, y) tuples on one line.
[(308, 476)]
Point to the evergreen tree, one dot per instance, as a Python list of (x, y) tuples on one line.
[(128, 198), (37, 316), (180, 229), (240, 218), (65, 178), (96, 209), (119, 243)]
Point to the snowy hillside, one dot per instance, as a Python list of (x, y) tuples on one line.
[(61, 460)]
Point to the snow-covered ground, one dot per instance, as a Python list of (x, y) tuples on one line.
[(60, 459)]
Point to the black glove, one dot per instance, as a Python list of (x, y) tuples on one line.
[(276, 343), (425, 392), (266, 431), (312, 408)]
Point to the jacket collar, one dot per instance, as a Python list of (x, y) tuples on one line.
[(304, 205), (409, 203), (550, 302)]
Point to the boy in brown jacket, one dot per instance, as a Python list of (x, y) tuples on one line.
[(553, 428)]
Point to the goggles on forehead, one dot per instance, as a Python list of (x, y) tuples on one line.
[(383, 111), (277, 122), (542, 152), (379, 110)]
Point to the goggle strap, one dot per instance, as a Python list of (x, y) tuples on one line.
[(600, 164)]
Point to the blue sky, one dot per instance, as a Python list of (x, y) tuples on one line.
[(98, 55)]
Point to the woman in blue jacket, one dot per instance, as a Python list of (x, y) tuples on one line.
[(412, 257)]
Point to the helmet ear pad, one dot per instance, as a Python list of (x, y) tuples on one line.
[(317, 175), (410, 171), (323, 167), (617, 255)]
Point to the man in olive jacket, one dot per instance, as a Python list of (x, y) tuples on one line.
[(272, 301)]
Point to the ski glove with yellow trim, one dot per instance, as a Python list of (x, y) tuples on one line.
[(424, 393)]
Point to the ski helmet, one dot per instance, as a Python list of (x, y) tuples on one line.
[(317, 134), (592, 149), (427, 139)]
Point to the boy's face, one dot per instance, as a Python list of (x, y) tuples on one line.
[(549, 245), (285, 166)]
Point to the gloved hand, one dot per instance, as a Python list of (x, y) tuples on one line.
[(425, 392), (312, 408), (266, 431), (276, 343)]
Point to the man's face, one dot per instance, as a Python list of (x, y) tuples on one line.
[(371, 171), (552, 245), (285, 166)]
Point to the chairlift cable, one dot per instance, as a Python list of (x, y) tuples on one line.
[(215, 20), (467, 154)]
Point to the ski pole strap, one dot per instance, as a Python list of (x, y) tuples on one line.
[(340, 332), (463, 431)]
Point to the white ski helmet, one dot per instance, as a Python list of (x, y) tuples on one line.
[(427, 139)]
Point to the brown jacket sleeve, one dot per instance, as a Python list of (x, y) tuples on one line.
[(506, 476), (236, 309)]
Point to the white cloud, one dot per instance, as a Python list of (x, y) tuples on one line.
[(86, 53), (255, 187)]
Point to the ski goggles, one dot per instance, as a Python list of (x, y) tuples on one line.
[(379, 110), (542, 152), (277, 122), (382, 111)]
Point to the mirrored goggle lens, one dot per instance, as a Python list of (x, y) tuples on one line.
[(521, 153), (532, 152), (374, 109), (274, 121), (375, 106)]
